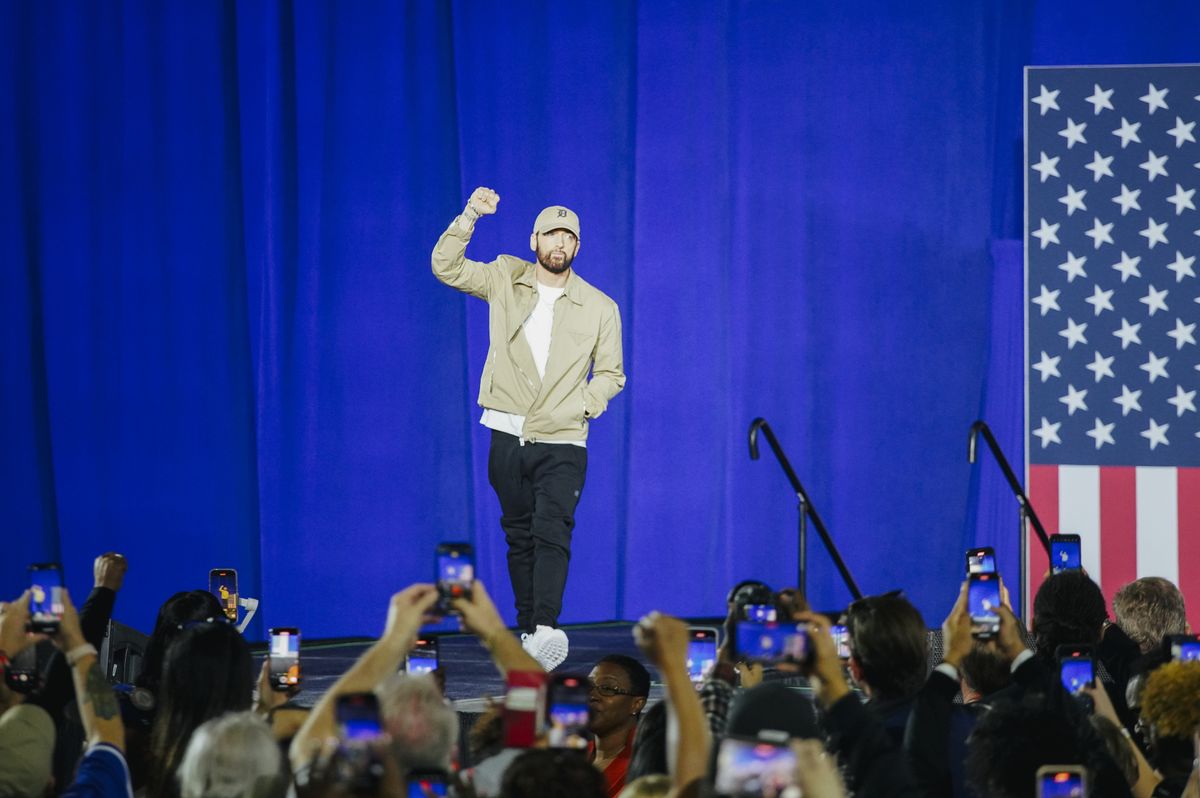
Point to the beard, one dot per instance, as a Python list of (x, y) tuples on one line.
[(552, 266)]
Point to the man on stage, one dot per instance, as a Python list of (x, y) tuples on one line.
[(548, 329)]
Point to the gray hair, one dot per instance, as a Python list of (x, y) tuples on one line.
[(233, 756), (1149, 608), (422, 724)]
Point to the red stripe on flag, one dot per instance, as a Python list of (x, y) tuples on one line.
[(1118, 528), (1043, 495), (1189, 542)]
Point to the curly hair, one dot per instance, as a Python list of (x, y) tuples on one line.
[(1171, 699), (1069, 609)]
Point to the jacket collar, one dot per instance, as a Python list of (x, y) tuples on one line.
[(574, 287)]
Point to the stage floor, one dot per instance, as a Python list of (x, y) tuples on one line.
[(470, 675)]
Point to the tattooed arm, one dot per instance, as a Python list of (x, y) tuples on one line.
[(98, 708)]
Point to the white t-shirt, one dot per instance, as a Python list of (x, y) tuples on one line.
[(537, 334)]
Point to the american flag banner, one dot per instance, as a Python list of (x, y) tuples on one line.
[(1112, 235)]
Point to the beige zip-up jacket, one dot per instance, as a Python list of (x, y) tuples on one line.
[(585, 337)]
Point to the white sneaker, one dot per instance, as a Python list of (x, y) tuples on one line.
[(547, 645)]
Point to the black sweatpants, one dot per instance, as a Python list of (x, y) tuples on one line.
[(538, 486)]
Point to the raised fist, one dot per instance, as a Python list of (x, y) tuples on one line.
[(483, 201)]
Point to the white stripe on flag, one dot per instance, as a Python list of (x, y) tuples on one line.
[(1079, 511), (1157, 522)]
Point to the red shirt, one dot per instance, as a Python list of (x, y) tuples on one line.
[(614, 773)]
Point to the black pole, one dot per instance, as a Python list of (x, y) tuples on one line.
[(805, 503), (980, 428)]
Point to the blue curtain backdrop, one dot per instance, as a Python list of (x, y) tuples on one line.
[(222, 344)]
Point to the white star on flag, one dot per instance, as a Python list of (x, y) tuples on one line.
[(1073, 267), (1156, 434), (1047, 100), (1154, 99), (1046, 166), (1100, 233), (1100, 300), (1155, 367), (1182, 132), (1048, 433), (1074, 400), (1101, 366), (1154, 165), (1155, 233), (1128, 266), (1101, 433), (1101, 99), (1074, 200), (1073, 133), (1184, 401), (1154, 300), (1128, 199), (1047, 300), (1047, 233), (1183, 334), (1128, 333), (1128, 400), (1100, 166), (1047, 366), (1182, 266), (1074, 333), (1182, 200), (1127, 132)]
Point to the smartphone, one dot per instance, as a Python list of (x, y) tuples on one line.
[(284, 658), (1185, 648), (26, 671), (455, 573), (1075, 667), (755, 766), (701, 653), (222, 583), (426, 783), (981, 561), (45, 597), (1061, 781), (359, 727), (567, 714), (1065, 554), (524, 708), (983, 602), (423, 658), (771, 643), (841, 639), (760, 613)]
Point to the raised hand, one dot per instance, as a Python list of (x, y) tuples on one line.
[(483, 201), (109, 570)]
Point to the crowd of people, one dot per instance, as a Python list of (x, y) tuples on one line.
[(870, 715)]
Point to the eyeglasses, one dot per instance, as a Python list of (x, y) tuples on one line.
[(608, 690)]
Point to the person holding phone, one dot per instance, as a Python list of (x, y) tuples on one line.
[(548, 330)]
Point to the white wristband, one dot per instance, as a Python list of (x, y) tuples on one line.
[(79, 652)]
